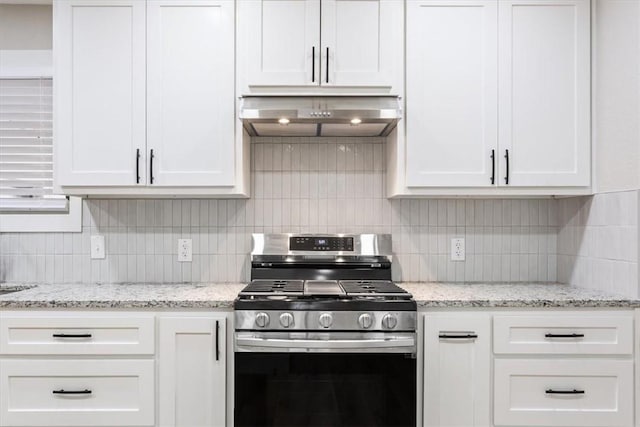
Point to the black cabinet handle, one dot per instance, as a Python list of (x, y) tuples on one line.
[(61, 391), (493, 167), (217, 340), (458, 336), (137, 166), (327, 65), (574, 391), (151, 156), (71, 335), (564, 335), (506, 176), (313, 64)]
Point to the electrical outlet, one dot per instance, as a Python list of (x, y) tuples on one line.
[(185, 250), (457, 249), (97, 247)]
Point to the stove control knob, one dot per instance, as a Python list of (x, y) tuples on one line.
[(389, 321), (325, 320), (365, 321), (262, 320), (286, 320)]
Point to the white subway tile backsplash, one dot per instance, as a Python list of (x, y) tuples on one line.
[(598, 242), (306, 185)]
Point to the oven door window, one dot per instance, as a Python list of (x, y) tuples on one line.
[(315, 389)]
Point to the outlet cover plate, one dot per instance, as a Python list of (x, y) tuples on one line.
[(457, 249), (97, 247), (185, 253)]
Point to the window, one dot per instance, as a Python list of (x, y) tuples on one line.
[(27, 199), (26, 159)]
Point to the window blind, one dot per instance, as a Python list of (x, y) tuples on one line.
[(26, 147)]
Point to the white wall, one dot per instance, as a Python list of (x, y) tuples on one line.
[(616, 54), (25, 27)]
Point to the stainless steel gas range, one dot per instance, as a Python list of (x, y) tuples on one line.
[(323, 337)]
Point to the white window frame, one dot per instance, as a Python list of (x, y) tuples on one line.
[(31, 64)]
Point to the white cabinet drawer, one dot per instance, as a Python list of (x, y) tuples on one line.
[(526, 392), (76, 334), (563, 334), (110, 392)]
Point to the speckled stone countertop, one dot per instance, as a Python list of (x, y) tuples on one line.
[(532, 295), (221, 295), (134, 295)]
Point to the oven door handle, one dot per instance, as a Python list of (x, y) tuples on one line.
[(255, 343)]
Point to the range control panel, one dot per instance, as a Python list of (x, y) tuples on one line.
[(320, 243)]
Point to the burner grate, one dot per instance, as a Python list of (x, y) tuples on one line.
[(279, 287), (372, 288)]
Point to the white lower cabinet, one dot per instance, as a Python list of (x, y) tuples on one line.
[(533, 368), (457, 369), (563, 368), (192, 370), (76, 392), (77, 368), (563, 392)]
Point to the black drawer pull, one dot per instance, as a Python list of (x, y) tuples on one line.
[(574, 391), (327, 65), (151, 157), (61, 391), (217, 340), (137, 166), (72, 335), (564, 335), (506, 176), (458, 337), (493, 167), (313, 64)]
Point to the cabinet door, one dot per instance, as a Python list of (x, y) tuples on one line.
[(358, 37), (283, 45), (192, 371), (457, 370), (191, 105), (99, 76), (451, 81), (544, 92)]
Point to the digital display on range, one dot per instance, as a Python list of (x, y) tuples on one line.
[(307, 243)]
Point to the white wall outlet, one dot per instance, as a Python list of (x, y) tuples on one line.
[(97, 247), (185, 250), (457, 249)]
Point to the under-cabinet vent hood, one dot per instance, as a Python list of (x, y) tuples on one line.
[(320, 116)]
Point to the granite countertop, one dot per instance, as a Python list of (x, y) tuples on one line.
[(125, 295), (221, 295), (533, 295)]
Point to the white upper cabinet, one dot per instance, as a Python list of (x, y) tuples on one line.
[(544, 70), (321, 43), (498, 99), (451, 80), (191, 103), (99, 98), (145, 98), (358, 42), (284, 45)]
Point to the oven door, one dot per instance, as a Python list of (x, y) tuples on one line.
[(325, 379)]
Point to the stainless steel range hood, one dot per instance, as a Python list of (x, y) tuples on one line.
[(320, 116)]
